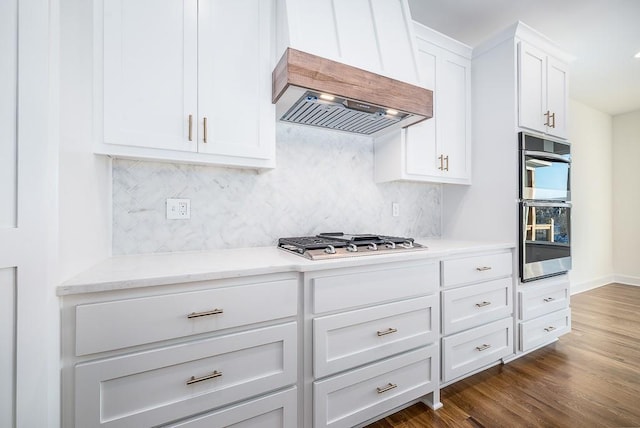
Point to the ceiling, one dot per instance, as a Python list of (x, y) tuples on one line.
[(603, 36)]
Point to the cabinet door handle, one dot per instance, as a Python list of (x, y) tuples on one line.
[(550, 328), (483, 268), (446, 159), (205, 314), (548, 299), (483, 347), (213, 375), (553, 120), (547, 115), (190, 127), (204, 135), (441, 158), (387, 331), (479, 305), (386, 388)]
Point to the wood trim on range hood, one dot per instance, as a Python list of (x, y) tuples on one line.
[(299, 69)]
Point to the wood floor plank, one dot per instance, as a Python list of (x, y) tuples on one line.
[(589, 378)]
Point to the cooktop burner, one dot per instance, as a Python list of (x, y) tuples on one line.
[(338, 244)]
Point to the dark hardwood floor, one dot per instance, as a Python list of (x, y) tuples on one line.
[(589, 378)]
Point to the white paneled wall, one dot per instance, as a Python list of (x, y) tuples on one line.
[(7, 344), (8, 91), (323, 182)]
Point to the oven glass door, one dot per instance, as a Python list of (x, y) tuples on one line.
[(545, 239), (545, 176)]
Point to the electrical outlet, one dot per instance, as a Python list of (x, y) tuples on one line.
[(178, 209), (395, 209)]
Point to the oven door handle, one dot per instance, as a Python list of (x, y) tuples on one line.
[(546, 155), (531, 203)]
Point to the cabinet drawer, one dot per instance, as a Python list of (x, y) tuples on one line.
[(465, 352), (544, 329), (540, 300), (477, 268), (373, 286), (118, 324), (273, 411), (154, 387), (476, 304), (359, 337), (348, 399)]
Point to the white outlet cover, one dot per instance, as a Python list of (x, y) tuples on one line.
[(178, 209)]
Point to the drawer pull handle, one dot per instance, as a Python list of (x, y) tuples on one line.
[(387, 331), (549, 299), (386, 388), (550, 328), (205, 314), (213, 375), (483, 268), (479, 305), (483, 347)]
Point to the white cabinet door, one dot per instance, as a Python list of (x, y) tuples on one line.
[(150, 72), (234, 78), (557, 94), (453, 115), (543, 91), (421, 148), (532, 87)]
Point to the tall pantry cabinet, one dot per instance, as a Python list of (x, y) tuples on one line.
[(519, 83)]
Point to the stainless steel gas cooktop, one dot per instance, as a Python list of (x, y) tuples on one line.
[(338, 245)]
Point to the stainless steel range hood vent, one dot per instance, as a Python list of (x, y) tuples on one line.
[(315, 91), (341, 114)]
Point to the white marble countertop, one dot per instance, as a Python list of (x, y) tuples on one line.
[(123, 272)]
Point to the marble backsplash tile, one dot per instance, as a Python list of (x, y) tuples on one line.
[(323, 182)]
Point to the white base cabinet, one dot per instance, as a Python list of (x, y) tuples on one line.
[(477, 313), (164, 355), (544, 313)]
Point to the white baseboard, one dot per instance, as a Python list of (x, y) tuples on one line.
[(627, 280), (594, 283)]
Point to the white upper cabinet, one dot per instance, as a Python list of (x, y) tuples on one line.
[(543, 90), (234, 78), (374, 35), (438, 149), (189, 82)]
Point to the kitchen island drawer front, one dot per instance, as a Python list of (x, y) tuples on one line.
[(470, 350), (157, 386), (355, 338), (544, 329), (476, 268), (273, 411), (477, 304), (122, 323), (371, 286), (536, 300), (348, 399)]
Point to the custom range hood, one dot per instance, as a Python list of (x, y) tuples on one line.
[(316, 91), (353, 69)]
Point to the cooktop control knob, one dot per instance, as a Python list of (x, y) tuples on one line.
[(330, 249), (352, 248), (373, 246)]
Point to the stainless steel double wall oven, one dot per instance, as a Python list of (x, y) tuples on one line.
[(545, 207)]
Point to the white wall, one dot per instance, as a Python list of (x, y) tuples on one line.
[(590, 135), (84, 178), (626, 203)]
